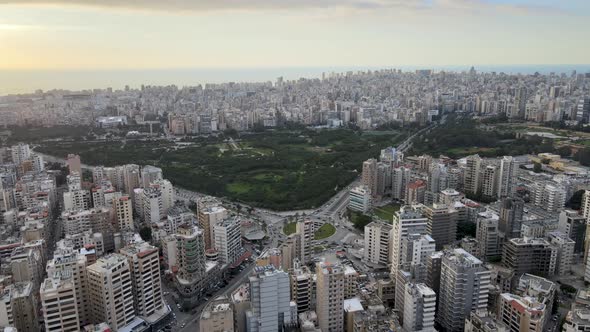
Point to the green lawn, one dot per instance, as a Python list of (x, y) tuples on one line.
[(386, 212), (290, 228), (325, 231), (279, 169)]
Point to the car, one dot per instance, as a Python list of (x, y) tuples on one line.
[(183, 325)]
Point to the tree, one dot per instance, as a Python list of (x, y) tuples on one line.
[(145, 233), (564, 151), (576, 201), (537, 168), (239, 208)]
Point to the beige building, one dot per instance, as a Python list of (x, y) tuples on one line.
[(60, 303), (377, 242), (110, 291), (124, 213), (305, 230), (18, 307), (330, 297), (144, 262), (217, 317), (74, 164)]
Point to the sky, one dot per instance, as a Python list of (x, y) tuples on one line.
[(157, 34)]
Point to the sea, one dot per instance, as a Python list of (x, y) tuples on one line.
[(26, 81)]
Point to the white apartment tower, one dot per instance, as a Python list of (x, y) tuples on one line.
[(408, 220), (419, 308), (270, 299), (377, 242), (228, 240), (507, 176), (464, 287)]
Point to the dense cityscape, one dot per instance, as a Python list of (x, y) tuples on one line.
[(469, 213)]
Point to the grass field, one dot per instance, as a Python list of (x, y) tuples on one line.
[(325, 231), (290, 228), (386, 212), (280, 170)]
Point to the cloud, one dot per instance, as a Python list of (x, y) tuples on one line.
[(195, 6)]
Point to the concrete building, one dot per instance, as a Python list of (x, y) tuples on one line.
[(369, 176), (464, 287), (577, 320), (218, 316), (408, 220), (488, 236), (511, 214), (573, 225), (153, 208), (270, 298), (527, 255), (442, 224), (419, 308), (60, 303), (68, 268), (20, 152), (565, 252), (228, 240), (302, 288), (377, 242), (77, 200), (124, 213), (209, 214), (305, 232), (489, 182), (74, 164), (471, 180), (144, 263), (359, 199), (20, 305), (481, 321), (110, 291), (507, 176), (330, 297)]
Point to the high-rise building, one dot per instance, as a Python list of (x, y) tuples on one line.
[(507, 176), (74, 164), (419, 308), (464, 287), (565, 252), (488, 236), (68, 268), (511, 214), (20, 305), (208, 215), (377, 242), (302, 285), (305, 232), (442, 224), (77, 200), (489, 182), (110, 291), (369, 176), (330, 297), (20, 153), (144, 263), (192, 267), (228, 240), (573, 225), (359, 199), (153, 208), (124, 213), (150, 174), (472, 170), (270, 298), (408, 220), (400, 177), (528, 255), (60, 303), (482, 321), (131, 178)]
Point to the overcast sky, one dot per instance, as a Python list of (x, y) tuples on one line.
[(135, 34)]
